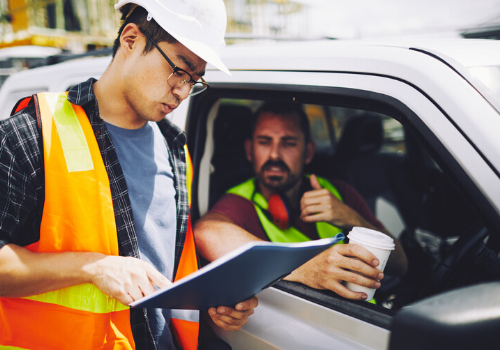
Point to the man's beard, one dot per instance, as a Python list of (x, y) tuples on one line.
[(277, 183)]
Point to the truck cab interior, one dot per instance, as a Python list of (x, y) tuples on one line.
[(375, 149)]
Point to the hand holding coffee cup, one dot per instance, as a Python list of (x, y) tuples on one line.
[(379, 244)]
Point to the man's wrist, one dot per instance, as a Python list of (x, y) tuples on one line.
[(89, 265), (294, 276)]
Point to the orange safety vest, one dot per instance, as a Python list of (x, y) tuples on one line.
[(80, 316), (185, 323)]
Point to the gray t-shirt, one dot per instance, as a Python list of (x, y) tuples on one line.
[(144, 158)]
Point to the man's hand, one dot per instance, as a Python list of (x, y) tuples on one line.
[(126, 279), (24, 273), (342, 262), (232, 319), (321, 205)]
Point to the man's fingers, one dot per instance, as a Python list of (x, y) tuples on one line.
[(317, 197), (124, 298), (315, 209), (357, 251), (314, 195), (147, 288), (232, 313), (314, 217), (232, 319), (227, 326), (126, 279), (128, 299), (161, 282), (358, 279), (347, 293), (231, 322), (247, 304), (156, 278), (135, 293), (334, 280), (314, 182)]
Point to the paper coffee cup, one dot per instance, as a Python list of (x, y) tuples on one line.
[(379, 244)]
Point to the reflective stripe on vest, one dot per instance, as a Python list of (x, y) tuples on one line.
[(78, 216), (186, 322), (290, 235)]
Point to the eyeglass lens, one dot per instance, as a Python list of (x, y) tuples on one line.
[(179, 77)]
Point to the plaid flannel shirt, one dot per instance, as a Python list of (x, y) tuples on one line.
[(22, 185)]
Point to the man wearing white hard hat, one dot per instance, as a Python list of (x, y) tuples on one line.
[(94, 201)]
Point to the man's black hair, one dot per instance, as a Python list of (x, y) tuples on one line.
[(284, 108), (132, 13)]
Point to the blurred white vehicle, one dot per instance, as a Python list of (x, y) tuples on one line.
[(14, 59)]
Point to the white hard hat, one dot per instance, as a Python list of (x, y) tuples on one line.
[(199, 25)]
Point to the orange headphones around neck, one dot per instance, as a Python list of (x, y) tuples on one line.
[(279, 210)]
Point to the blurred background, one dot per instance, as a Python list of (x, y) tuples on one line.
[(33, 30)]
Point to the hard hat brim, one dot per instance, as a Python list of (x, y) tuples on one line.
[(187, 30), (203, 51)]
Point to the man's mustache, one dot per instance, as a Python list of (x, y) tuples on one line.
[(276, 163)]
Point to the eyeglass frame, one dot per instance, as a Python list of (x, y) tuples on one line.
[(175, 69)]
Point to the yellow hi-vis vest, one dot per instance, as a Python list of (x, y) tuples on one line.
[(77, 216), (290, 235)]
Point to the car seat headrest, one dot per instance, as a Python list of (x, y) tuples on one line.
[(362, 135), (232, 126), (229, 163)]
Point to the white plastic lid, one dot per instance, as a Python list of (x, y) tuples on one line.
[(372, 238)]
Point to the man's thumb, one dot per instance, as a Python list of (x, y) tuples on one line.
[(314, 183)]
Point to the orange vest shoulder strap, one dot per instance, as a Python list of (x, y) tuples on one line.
[(185, 323)]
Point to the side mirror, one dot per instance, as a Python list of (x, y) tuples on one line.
[(466, 318)]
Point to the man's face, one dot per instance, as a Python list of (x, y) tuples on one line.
[(278, 151), (146, 78)]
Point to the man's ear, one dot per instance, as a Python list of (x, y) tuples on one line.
[(248, 149), (310, 149), (130, 38)]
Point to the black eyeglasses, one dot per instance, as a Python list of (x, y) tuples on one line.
[(179, 77)]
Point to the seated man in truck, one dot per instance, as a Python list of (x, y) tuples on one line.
[(279, 148)]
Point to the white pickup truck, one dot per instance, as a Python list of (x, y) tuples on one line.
[(414, 128)]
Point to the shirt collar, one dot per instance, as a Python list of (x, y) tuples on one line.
[(82, 93), (169, 128)]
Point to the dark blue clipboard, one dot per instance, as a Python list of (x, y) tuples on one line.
[(236, 276)]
